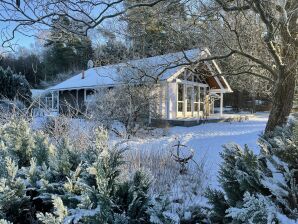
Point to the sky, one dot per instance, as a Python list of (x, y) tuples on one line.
[(27, 41)]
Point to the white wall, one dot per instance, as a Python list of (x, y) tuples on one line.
[(166, 101), (172, 105)]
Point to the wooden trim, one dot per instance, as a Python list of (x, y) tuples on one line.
[(191, 83)]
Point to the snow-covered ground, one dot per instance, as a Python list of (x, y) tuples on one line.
[(207, 140)]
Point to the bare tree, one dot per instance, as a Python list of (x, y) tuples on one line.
[(263, 35), (27, 17), (131, 104), (275, 20)]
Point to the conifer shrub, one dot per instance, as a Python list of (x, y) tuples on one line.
[(45, 183), (259, 188)]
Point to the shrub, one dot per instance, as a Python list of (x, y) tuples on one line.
[(55, 184), (259, 188)]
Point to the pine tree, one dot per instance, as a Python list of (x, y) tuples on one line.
[(150, 29), (65, 51)]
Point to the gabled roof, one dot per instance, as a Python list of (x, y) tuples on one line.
[(162, 67)]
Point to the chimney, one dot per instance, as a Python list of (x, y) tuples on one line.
[(83, 74)]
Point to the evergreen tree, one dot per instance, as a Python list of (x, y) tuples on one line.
[(259, 188), (112, 52), (65, 52), (14, 86), (28, 64), (158, 30)]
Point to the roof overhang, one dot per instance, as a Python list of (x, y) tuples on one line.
[(220, 80)]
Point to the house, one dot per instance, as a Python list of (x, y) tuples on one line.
[(187, 89)]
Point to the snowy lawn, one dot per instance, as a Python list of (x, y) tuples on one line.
[(207, 140)]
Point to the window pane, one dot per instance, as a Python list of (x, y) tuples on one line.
[(196, 93), (181, 76), (201, 106), (196, 78), (196, 105), (188, 106), (189, 98), (189, 77), (180, 92), (202, 94), (180, 107)]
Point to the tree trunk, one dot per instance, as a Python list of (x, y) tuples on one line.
[(283, 97)]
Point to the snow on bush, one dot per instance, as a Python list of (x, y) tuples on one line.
[(259, 188)]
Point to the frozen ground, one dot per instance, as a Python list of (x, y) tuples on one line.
[(207, 140)]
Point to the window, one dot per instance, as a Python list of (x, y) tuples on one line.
[(202, 98), (196, 79), (180, 97), (181, 77), (189, 76), (196, 98), (189, 90)]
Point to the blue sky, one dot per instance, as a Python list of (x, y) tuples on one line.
[(22, 40)]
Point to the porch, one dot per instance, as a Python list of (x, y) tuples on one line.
[(190, 122), (188, 100)]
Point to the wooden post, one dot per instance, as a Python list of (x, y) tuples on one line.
[(168, 101), (58, 101), (184, 100), (77, 98), (160, 90), (52, 101), (221, 104)]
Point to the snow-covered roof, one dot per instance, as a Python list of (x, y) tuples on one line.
[(161, 67)]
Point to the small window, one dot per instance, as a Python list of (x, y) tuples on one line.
[(180, 92), (181, 76), (180, 107), (180, 97), (189, 75), (195, 78), (196, 107), (202, 98), (202, 94), (196, 93)]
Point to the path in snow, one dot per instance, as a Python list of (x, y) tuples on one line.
[(207, 140)]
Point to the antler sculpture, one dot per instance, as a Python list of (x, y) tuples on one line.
[(182, 160)]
